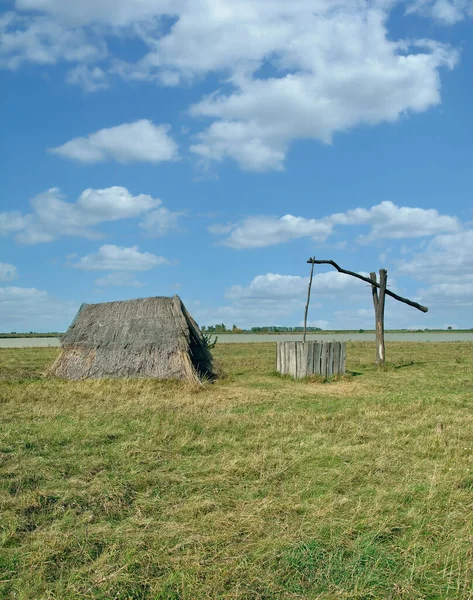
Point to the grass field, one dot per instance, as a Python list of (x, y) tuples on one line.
[(255, 487)]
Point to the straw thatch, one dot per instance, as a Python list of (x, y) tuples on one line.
[(149, 337)]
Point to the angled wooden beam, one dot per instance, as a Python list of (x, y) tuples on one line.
[(308, 300), (424, 309)]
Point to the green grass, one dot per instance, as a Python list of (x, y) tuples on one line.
[(255, 487), (29, 335)]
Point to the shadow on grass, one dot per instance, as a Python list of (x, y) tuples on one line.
[(410, 363), (316, 378)]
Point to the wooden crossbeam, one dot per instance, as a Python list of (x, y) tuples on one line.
[(313, 261)]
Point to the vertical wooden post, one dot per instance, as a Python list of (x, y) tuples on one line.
[(383, 280), (379, 299), (308, 300)]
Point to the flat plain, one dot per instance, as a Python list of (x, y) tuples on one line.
[(253, 487)]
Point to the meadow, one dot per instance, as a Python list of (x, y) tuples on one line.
[(254, 487)]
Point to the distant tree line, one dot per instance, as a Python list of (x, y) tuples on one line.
[(222, 328)]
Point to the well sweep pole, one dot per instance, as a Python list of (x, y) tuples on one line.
[(308, 300)]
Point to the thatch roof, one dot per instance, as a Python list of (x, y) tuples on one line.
[(149, 337)]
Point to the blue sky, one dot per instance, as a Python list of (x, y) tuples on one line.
[(209, 147)]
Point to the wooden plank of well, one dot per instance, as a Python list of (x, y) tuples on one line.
[(298, 360), (330, 360), (317, 357), (336, 358), (284, 358), (309, 358), (343, 358), (323, 359), (292, 359)]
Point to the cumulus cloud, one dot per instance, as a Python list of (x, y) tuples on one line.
[(301, 69), (283, 287), (8, 272), (448, 294), (119, 258), (258, 232), (118, 279), (389, 221), (141, 141), (109, 12), (343, 72), (446, 259), (89, 79), (268, 299), (161, 221), (385, 221), (30, 309), (43, 41), (447, 12), (11, 222), (52, 216)]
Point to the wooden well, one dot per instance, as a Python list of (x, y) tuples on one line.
[(301, 359)]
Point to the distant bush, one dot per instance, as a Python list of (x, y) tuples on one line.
[(209, 343)]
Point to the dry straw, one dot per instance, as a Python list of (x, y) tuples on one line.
[(148, 337)]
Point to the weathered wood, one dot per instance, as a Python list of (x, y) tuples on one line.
[(301, 369), (308, 300), (383, 278), (310, 357), (330, 359), (370, 281), (379, 303), (323, 358), (291, 358), (343, 357), (336, 358), (317, 358), (301, 359), (374, 292)]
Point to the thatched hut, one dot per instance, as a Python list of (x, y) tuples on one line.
[(149, 337)]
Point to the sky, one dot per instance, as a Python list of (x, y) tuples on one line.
[(208, 148)]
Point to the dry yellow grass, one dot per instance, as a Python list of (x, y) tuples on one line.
[(255, 487)]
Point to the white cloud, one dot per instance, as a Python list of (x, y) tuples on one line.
[(161, 221), (448, 294), (447, 12), (119, 258), (29, 309), (272, 298), (109, 12), (282, 287), (53, 217), (389, 221), (8, 272), (89, 79), (11, 222), (386, 221), (258, 232), (329, 65), (141, 141), (44, 41), (270, 287), (344, 72), (118, 279), (446, 259)]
